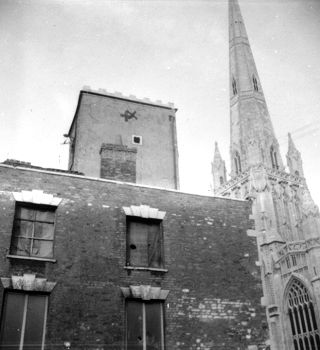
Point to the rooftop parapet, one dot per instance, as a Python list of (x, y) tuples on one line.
[(133, 98)]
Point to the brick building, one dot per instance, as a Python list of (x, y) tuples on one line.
[(110, 255), (111, 265)]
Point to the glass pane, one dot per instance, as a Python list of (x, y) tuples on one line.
[(134, 326), (24, 213), (154, 248), (34, 322), (20, 246), (306, 310), (302, 319), (138, 244), (43, 249), (23, 228), (45, 215), (306, 343), (42, 230), (313, 345), (153, 326), (291, 322), (12, 317)]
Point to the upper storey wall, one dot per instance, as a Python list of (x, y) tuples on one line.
[(102, 119)]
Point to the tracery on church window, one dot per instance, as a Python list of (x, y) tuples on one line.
[(274, 158), (255, 83), (302, 318), (234, 87), (237, 163)]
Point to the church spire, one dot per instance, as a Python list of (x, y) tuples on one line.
[(294, 160), (253, 140), (218, 168)]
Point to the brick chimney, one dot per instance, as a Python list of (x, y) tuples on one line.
[(118, 162)]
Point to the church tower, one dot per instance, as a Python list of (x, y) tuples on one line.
[(287, 222)]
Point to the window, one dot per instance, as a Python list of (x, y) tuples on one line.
[(137, 140), (144, 325), (144, 242), (234, 87), (255, 83), (237, 163), (302, 318), (23, 321), (274, 158), (33, 230)]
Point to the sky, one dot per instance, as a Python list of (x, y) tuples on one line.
[(174, 51)]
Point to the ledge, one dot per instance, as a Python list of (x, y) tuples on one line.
[(30, 258), (315, 279), (145, 268)]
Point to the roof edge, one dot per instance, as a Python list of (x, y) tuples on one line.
[(116, 182), (119, 96)]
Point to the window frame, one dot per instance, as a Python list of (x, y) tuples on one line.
[(129, 265), (133, 139), (24, 314), (143, 313), (36, 207)]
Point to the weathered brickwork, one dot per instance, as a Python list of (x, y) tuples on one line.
[(118, 163), (213, 281)]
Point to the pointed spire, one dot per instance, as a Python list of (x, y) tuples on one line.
[(253, 141), (237, 29), (217, 156), (294, 160), (218, 168), (291, 145)]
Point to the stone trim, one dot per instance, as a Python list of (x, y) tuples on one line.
[(27, 282), (114, 147), (144, 211), (144, 292), (36, 197), (139, 268), (10, 256)]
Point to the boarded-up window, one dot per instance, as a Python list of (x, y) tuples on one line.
[(144, 243), (144, 325), (33, 231), (23, 321)]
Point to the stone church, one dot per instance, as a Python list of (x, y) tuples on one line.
[(287, 222)]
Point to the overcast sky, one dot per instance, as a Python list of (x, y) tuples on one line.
[(175, 51)]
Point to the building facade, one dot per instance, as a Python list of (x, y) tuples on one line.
[(287, 222), (91, 263)]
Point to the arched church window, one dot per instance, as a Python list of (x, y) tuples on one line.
[(274, 158), (237, 163), (234, 87), (297, 173), (302, 318), (255, 83), (221, 180)]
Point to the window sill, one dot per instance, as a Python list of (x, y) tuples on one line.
[(145, 268), (30, 258)]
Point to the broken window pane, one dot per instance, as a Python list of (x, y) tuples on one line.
[(153, 326), (144, 325), (144, 243), (134, 326)]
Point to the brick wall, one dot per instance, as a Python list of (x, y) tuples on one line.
[(213, 282), (118, 163)]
